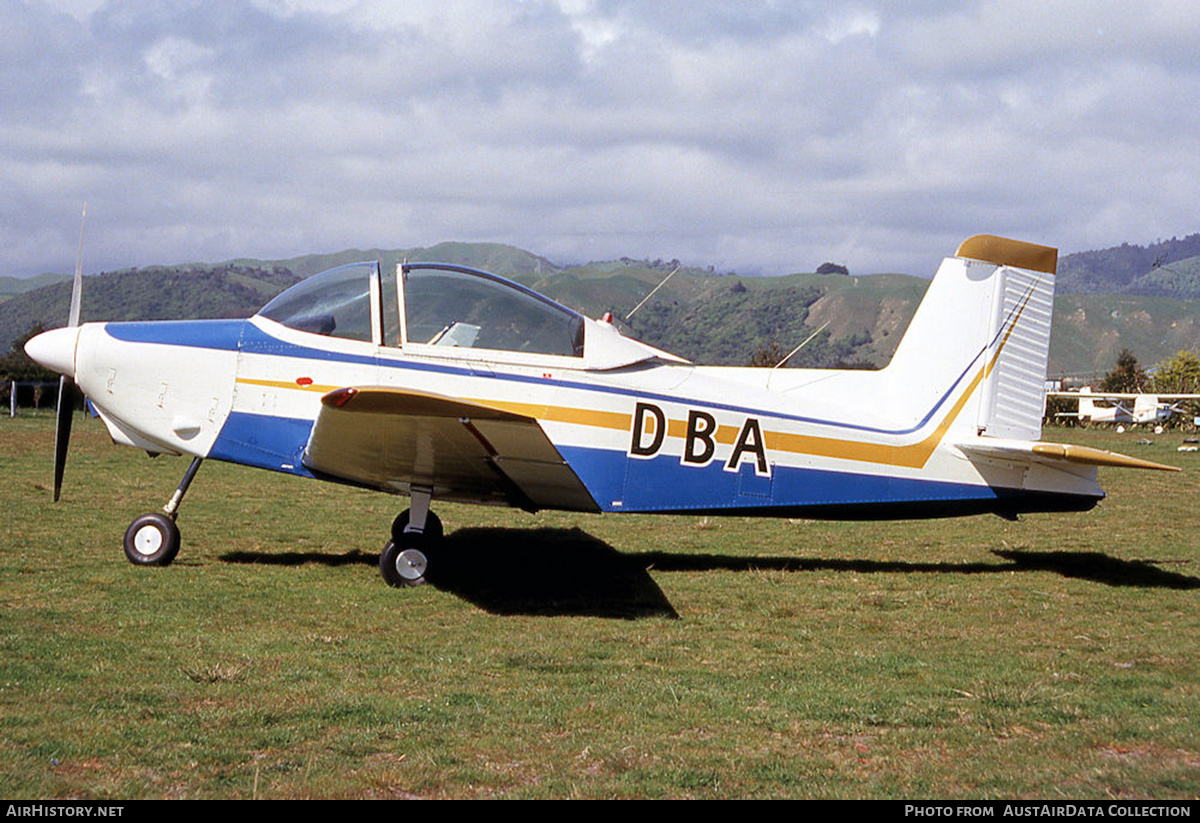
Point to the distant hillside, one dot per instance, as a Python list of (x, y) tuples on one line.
[(236, 288), (493, 257), (1168, 268), (1090, 330), (711, 320), (12, 286), (1180, 280), (705, 317), (147, 294), (724, 320), (699, 315)]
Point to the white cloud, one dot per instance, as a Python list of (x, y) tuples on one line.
[(844, 24), (766, 136)]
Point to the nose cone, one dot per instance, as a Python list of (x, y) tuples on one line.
[(55, 349)]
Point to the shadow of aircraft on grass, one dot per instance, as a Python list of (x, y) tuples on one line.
[(1101, 568), (1094, 566), (523, 571), (569, 572)]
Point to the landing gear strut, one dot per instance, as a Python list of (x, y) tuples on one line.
[(153, 539), (415, 536)]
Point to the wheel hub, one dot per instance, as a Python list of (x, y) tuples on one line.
[(148, 540), (411, 564)]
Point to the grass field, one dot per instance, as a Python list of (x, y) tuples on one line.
[(588, 656)]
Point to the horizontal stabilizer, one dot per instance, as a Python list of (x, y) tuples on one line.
[(1051, 453)]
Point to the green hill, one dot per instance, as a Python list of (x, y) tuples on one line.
[(12, 286), (706, 317), (493, 257), (1090, 330), (158, 293), (1180, 280), (1164, 268)]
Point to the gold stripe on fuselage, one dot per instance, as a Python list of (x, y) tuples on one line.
[(288, 384), (913, 455)]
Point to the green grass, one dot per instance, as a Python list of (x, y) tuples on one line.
[(578, 656)]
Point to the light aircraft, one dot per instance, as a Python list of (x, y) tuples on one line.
[(1147, 408), (437, 381)]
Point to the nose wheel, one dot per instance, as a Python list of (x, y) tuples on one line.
[(153, 539)]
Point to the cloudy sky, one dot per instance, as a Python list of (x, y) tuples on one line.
[(759, 137)]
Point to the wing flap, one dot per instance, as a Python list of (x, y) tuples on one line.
[(396, 439)]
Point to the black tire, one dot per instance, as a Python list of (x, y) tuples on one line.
[(403, 564), (152, 540), (433, 527)]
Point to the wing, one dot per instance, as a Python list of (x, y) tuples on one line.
[(393, 439), (1101, 395), (1052, 453)]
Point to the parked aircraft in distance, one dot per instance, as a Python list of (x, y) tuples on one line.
[(437, 381), (1147, 408)]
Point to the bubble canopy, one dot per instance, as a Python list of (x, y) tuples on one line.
[(428, 304)]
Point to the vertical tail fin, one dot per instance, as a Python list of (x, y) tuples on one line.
[(982, 335)]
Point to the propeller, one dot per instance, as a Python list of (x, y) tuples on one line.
[(68, 391)]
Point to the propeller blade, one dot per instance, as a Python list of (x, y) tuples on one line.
[(68, 393), (68, 399), (77, 285)]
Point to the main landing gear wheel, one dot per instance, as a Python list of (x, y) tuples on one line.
[(403, 564), (406, 556), (152, 540), (433, 527)]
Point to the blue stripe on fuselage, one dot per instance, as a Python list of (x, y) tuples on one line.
[(227, 335), (622, 483), (263, 441), (223, 335)]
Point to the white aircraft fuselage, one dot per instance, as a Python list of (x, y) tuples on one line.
[(445, 383)]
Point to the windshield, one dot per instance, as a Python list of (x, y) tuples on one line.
[(336, 302)]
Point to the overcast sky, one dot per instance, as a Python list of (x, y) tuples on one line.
[(758, 137)]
